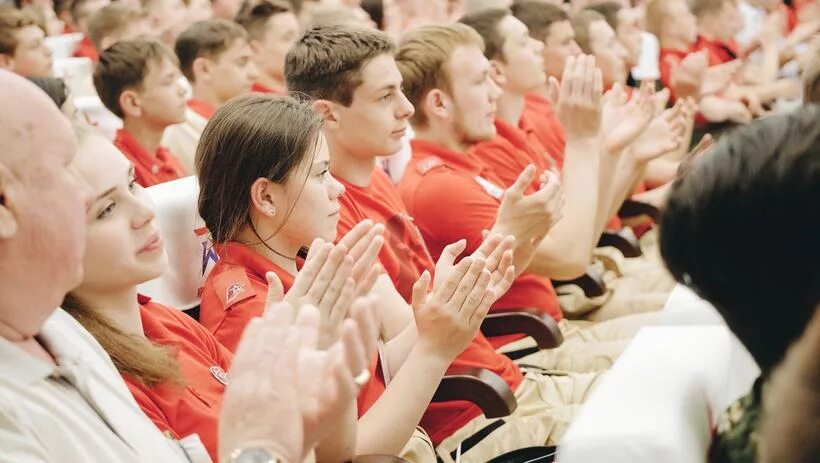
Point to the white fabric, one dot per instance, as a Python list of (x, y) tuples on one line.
[(660, 400), (64, 45), (182, 139), (648, 67), (753, 18), (79, 411), (395, 164), (183, 232)]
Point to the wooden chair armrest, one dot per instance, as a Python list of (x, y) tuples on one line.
[(482, 387), (541, 454), (591, 283), (633, 209), (623, 242), (529, 321)]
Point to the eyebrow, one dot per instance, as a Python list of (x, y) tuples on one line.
[(322, 164), (387, 87), (113, 188)]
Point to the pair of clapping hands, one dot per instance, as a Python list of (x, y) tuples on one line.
[(299, 366)]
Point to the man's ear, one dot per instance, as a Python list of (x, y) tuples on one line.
[(130, 103), (255, 46), (6, 61), (263, 197), (437, 103), (8, 223), (201, 68), (498, 73), (327, 109)]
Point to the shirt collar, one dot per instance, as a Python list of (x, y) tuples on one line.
[(202, 108), (459, 161), (237, 254)]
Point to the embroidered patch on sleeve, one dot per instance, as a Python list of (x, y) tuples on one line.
[(233, 286)]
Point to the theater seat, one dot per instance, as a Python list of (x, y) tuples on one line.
[(191, 257), (662, 398)]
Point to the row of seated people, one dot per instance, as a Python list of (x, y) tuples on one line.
[(452, 122)]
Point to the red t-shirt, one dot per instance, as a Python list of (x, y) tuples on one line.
[(86, 49), (717, 52), (235, 292), (149, 169), (509, 153), (202, 108), (404, 257), (539, 120), (258, 87), (668, 61), (193, 408), (454, 196)]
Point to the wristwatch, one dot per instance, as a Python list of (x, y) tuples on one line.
[(252, 455)]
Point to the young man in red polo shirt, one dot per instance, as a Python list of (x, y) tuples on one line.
[(139, 82), (81, 12), (366, 113), (272, 30), (215, 57), (593, 189), (22, 48)]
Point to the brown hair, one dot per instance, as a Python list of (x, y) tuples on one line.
[(811, 80), (123, 66), (250, 137), (702, 8), (538, 16), (111, 20), (135, 356), (326, 63), (609, 10), (11, 21), (655, 16), (77, 11), (254, 17), (580, 24), (206, 39), (486, 22), (422, 55)]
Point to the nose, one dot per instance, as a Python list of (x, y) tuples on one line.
[(406, 109), (495, 91), (144, 209), (335, 188), (537, 45), (253, 72)]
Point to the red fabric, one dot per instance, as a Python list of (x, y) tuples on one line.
[(717, 52), (235, 292), (668, 61), (454, 196), (149, 169), (193, 408), (258, 87), (540, 121), (202, 108), (404, 257), (791, 17), (86, 49)]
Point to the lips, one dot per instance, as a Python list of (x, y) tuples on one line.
[(399, 133), (153, 244)]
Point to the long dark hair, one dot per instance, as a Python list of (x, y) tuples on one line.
[(251, 137)]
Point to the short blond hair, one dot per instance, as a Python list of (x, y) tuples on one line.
[(422, 54), (654, 16)]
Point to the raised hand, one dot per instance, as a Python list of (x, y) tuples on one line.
[(498, 252), (524, 216), (448, 318), (687, 78), (364, 242), (663, 135), (703, 147), (579, 98), (624, 121)]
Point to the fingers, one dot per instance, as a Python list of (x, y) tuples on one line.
[(307, 321), (353, 347), (338, 281), (566, 79), (366, 284), (489, 245), (356, 234), (360, 249), (317, 256), (474, 295), (365, 260), (554, 91), (502, 286), (276, 291), (325, 275), (521, 184), (466, 284), (445, 291), (420, 289), (451, 253), (363, 312)]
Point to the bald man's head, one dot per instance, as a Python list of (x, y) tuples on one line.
[(42, 208)]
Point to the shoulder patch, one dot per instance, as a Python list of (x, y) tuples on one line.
[(428, 164), (489, 187), (233, 286)]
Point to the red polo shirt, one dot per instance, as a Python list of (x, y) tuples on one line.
[(454, 196), (202, 108), (193, 408), (718, 52), (235, 292), (258, 87), (540, 121), (404, 257), (668, 61), (86, 49), (150, 169)]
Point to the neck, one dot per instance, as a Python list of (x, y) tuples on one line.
[(344, 164), (445, 137), (270, 81), (249, 238), (203, 93), (511, 107), (119, 306), (147, 135), (674, 43), (707, 33)]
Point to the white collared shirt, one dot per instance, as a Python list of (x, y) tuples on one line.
[(78, 411)]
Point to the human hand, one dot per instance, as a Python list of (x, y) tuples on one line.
[(624, 120), (579, 99), (717, 78), (364, 242), (497, 250), (525, 216), (663, 135), (687, 78), (696, 153), (448, 318)]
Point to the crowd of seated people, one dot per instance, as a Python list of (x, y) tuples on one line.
[(398, 195)]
